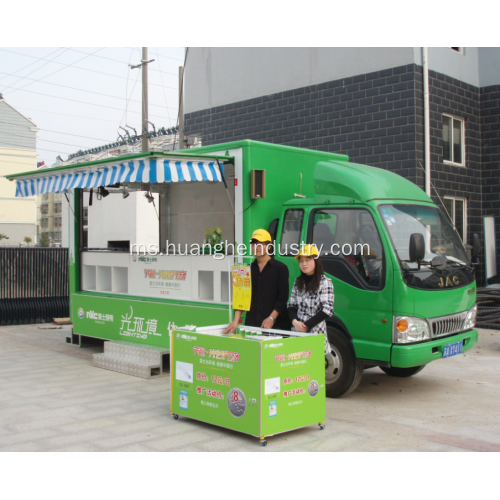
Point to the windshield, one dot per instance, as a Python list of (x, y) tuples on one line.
[(440, 238)]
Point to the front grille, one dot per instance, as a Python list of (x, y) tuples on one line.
[(446, 325)]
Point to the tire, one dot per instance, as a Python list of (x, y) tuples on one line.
[(402, 372), (344, 370)]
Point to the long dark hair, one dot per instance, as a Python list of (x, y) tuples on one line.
[(313, 285)]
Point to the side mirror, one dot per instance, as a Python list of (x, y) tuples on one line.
[(417, 247), (476, 245), (273, 228)]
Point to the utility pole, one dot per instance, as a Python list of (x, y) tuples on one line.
[(181, 108), (144, 67), (145, 139)]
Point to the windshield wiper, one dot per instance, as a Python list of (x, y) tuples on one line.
[(457, 262), (449, 262)]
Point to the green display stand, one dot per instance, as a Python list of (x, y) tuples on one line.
[(259, 382)]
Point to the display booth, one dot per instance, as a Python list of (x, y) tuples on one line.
[(258, 382)]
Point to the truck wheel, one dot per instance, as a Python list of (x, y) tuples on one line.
[(344, 370), (402, 372)]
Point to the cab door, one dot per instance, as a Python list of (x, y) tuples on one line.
[(291, 233), (353, 256)]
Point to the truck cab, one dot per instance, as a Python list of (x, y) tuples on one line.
[(404, 287)]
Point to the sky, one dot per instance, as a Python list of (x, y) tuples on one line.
[(78, 97)]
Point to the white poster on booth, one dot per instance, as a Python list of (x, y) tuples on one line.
[(160, 276)]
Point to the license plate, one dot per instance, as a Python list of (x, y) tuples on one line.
[(452, 349)]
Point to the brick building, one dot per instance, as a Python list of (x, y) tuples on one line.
[(367, 103)]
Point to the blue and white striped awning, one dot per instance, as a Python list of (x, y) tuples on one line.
[(148, 170)]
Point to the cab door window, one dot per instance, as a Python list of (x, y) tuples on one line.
[(290, 234), (350, 246)]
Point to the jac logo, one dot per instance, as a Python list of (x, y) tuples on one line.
[(449, 282)]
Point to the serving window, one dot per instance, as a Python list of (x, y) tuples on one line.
[(128, 227)]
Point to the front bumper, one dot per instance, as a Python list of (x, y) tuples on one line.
[(406, 356)]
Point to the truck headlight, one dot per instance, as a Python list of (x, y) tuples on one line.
[(470, 319), (409, 329)]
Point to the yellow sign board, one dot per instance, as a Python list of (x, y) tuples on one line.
[(242, 287)]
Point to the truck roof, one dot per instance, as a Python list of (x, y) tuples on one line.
[(363, 183), (267, 145), (335, 175)]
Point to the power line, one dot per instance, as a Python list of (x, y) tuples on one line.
[(8, 160), (125, 114), (164, 94), (56, 142), (42, 149), (84, 102), (126, 88), (49, 60), (53, 73), (76, 67), (123, 62), (80, 90), (13, 143), (46, 140), (31, 64), (166, 57), (52, 151), (72, 116), (74, 135)]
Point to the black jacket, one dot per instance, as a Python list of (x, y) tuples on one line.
[(270, 291)]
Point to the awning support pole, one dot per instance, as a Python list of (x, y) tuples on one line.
[(225, 185)]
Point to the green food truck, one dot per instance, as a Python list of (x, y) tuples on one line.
[(405, 288)]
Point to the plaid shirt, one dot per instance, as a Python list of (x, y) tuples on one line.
[(309, 304)]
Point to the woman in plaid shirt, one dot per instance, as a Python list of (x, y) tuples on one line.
[(311, 301)]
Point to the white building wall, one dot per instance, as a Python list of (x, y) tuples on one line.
[(462, 66), (489, 66), (219, 76)]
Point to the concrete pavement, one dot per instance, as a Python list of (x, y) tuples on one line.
[(53, 399)]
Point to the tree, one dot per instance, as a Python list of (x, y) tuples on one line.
[(45, 240), (3, 236), (27, 240)]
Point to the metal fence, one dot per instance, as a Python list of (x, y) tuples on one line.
[(33, 285)]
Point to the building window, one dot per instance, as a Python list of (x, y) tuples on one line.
[(457, 210), (57, 221), (453, 140), (57, 208), (45, 223)]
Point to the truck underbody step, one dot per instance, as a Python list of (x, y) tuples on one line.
[(139, 360), (126, 367), (136, 353)]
